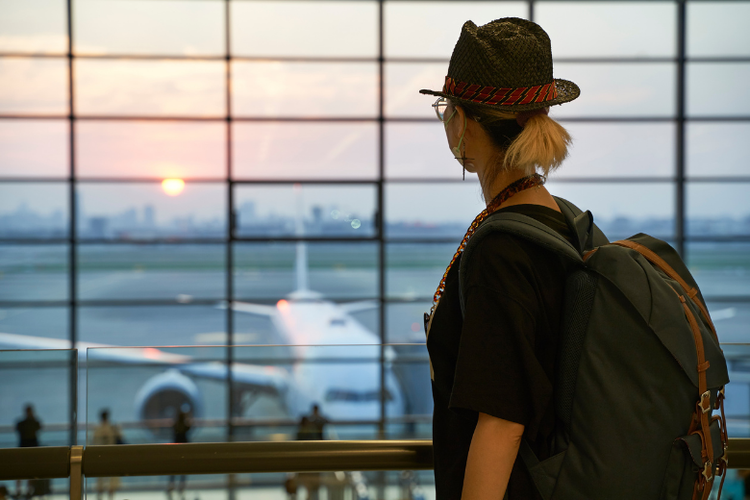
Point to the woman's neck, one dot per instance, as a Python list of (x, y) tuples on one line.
[(534, 196), (491, 187)]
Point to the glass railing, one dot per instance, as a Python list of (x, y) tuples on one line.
[(177, 394), (187, 394)]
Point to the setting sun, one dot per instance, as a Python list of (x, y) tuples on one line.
[(173, 187)]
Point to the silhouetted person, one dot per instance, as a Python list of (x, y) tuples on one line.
[(305, 430), (180, 430), (106, 434), (311, 428), (28, 428), (317, 422)]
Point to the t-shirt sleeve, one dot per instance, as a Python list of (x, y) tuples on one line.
[(497, 371)]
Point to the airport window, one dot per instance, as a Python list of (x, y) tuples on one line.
[(162, 160)]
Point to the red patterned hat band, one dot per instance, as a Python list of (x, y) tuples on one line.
[(500, 96)]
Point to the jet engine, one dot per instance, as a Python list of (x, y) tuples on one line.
[(163, 396)]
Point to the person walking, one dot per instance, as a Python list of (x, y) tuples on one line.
[(28, 435), (180, 429), (106, 434)]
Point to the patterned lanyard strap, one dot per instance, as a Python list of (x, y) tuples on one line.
[(502, 197)]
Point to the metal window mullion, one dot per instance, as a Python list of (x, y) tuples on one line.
[(230, 230), (381, 219), (72, 251), (680, 132)]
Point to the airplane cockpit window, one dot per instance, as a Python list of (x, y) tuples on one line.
[(356, 396)]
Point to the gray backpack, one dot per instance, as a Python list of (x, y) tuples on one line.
[(639, 371)]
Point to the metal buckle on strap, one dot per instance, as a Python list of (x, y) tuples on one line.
[(719, 398), (708, 471), (705, 402)]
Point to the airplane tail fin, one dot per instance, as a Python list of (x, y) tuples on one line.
[(300, 264)]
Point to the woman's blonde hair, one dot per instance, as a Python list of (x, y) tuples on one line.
[(540, 145)]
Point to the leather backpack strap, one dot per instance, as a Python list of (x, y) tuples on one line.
[(701, 420)]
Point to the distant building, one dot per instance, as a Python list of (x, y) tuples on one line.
[(149, 216), (98, 227)]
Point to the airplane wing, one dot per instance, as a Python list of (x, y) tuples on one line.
[(107, 353), (363, 305), (247, 307), (14, 341), (266, 379)]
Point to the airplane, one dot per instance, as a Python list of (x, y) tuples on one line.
[(329, 358)]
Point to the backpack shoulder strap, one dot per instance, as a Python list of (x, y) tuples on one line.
[(588, 236), (518, 225)]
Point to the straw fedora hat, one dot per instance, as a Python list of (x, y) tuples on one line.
[(505, 65)]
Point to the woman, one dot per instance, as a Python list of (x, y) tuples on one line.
[(493, 364)]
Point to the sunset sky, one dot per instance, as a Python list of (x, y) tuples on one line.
[(348, 88)]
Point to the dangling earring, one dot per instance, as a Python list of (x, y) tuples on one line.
[(456, 150)]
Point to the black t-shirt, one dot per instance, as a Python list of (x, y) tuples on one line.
[(499, 358)]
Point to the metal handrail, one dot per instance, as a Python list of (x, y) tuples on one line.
[(233, 458), (43, 462), (272, 456)]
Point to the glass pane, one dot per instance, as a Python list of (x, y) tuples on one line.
[(33, 272), (624, 208), (439, 210), (622, 89), (150, 325), (601, 29), (405, 321), (33, 86), (304, 89), (31, 148), (34, 26), (142, 272), (411, 366), (715, 149), (320, 150), (402, 84), (721, 270), (150, 88), (150, 149), (737, 403), (33, 210), (151, 210), (718, 29), (153, 385), (48, 322), (318, 29), (413, 273), (338, 271), (619, 150), (37, 378), (419, 150), (343, 380), (731, 319), (416, 29), (319, 210), (703, 80), (718, 209), (161, 27)]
